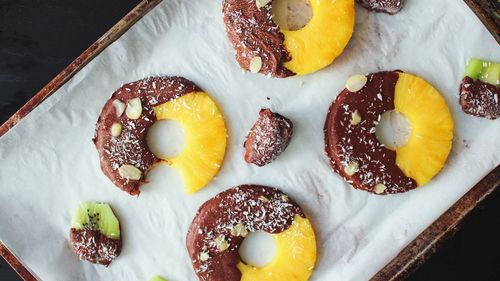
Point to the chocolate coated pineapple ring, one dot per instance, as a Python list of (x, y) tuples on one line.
[(354, 150), (262, 46), (222, 223), (122, 127)]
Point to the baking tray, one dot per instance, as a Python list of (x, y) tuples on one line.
[(410, 258)]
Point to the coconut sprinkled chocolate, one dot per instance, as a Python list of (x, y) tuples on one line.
[(257, 39), (480, 99), (121, 130), (384, 6), (95, 247), (350, 141), (268, 138), (222, 223)]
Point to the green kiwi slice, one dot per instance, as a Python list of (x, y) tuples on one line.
[(157, 278), (486, 71), (98, 217)]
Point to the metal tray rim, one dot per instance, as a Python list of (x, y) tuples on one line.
[(408, 260)]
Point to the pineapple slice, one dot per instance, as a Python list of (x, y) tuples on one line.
[(430, 139), (323, 38), (294, 259), (205, 131)]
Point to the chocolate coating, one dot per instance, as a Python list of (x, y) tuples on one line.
[(253, 32), (480, 99), (346, 143), (384, 6), (255, 207), (130, 147), (268, 138), (92, 246)]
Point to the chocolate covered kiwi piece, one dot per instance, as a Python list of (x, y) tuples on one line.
[(98, 217), (95, 233), (485, 71), (480, 89)]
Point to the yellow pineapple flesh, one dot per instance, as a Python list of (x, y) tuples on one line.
[(323, 38), (430, 139), (205, 134), (294, 259)]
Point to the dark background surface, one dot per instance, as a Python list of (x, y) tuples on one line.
[(40, 38)]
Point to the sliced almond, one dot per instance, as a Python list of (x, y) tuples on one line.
[(255, 64), (221, 243), (129, 172), (204, 256), (355, 118), (352, 168), (356, 83), (284, 198), (262, 3), (239, 230), (134, 108), (116, 129), (263, 198), (119, 107), (380, 188)]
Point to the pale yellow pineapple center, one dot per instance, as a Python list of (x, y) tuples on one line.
[(295, 255), (166, 138), (393, 129), (291, 14), (431, 135), (205, 137), (323, 38), (258, 248)]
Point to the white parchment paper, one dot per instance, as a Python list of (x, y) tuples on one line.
[(49, 164)]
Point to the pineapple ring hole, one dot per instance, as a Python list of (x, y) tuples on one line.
[(257, 249), (393, 129), (166, 138), (291, 14)]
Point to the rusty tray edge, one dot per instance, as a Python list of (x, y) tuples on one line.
[(488, 14), (95, 49), (408, 260), (433, 237)]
